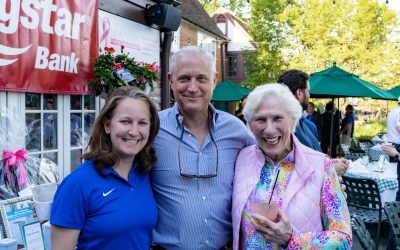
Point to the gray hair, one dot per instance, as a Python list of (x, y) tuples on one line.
[(194, 51), (287, 100)]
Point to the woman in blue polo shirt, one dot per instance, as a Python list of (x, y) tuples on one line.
[(107, 203)]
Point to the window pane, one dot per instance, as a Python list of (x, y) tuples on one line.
[(32, 101), (89, 102), (89, 121), (75, 158), (33, 136), (76, 102), (50, 131), (52, 156), (50, 102), (76, 129)]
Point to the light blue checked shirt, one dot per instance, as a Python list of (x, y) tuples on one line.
[(195, 213)]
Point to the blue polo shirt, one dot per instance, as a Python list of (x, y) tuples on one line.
[(110, 212)]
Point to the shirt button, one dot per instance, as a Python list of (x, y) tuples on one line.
[(204, 198), (207, 242), (132, 189), (205, 220)]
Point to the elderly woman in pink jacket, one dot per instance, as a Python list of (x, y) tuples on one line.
[(285, 195)]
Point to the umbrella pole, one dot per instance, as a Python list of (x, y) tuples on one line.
[(338, 109), (331, 132)]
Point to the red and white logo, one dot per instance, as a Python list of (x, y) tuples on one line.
[(47, 46)]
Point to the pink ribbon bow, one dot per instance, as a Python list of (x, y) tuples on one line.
[(15, 159)]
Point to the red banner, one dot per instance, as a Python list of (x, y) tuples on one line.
[(48, 46)]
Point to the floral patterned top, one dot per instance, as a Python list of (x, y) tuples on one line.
[(334, 224)]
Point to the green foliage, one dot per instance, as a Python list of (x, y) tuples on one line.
[(266, 28), (236, 6), (311, 34), (107, 78), (367, 130)]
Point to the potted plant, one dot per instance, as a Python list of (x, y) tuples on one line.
[(114, 70)]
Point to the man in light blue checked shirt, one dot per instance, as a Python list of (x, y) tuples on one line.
[(196, 152)]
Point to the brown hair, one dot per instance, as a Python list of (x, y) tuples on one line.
[(100, 146)]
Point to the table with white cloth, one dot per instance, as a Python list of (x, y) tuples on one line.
[(386, 180)]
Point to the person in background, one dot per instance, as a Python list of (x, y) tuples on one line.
[(196, 151), (347, 125), (393, 128), (306, 131), (242, 104), (326, 130), (393, 152), (284, 175), (107, 203), (315, 117), (297, 81)]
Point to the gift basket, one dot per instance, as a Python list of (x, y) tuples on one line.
[(18, 170)]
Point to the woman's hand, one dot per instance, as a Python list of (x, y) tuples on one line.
[(279, 232)]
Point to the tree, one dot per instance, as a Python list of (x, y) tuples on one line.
[(236, 6), (267, 30), (311, 34), (359, 35)]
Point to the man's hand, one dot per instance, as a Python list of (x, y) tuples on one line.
[(389, 150)]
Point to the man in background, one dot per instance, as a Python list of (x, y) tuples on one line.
[(316, 118), (347, 125), (393, 128), (306, 131)]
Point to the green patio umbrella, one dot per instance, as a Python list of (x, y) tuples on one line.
[(229, 91), (395, 91), (336, 82)]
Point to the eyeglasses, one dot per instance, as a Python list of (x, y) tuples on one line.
[(196, 175)]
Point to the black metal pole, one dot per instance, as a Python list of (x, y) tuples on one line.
[(331, 132), (165, 54)]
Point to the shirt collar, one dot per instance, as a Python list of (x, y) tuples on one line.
[(289, 158), (179, 116), (109, 170)]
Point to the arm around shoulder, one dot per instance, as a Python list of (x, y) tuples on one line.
[(63, 238)]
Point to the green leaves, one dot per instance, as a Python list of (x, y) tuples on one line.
[(311, 34), (107, 80)]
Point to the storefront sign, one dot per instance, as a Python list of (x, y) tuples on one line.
[(139, 41), (47, 46)]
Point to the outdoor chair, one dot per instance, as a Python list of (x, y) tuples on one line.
[(380, 134), (363, 235), (345, 148), (392, 211), (355, 142), (365, 145), (354, 156), (364, 201)]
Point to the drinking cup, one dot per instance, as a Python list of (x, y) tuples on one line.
[(265, 209)]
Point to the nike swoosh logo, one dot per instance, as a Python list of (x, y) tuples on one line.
[(109, 192)]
